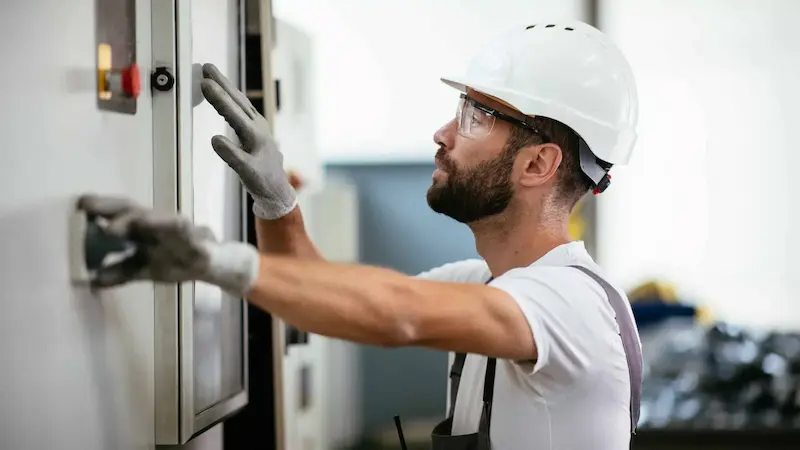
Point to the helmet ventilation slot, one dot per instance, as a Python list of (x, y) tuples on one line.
[(550, 26)]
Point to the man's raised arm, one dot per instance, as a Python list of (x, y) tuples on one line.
[(259, 164)]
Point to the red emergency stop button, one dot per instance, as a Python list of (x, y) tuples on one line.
[(131, 81)]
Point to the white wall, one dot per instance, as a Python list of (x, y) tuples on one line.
[(706, 201), (77, 369), (294, 122), (378, 65)]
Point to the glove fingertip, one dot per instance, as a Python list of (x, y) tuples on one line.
[(223, 142), (227, 150), (207, 86), (209, 70)]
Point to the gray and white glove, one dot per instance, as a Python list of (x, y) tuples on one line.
[(257, 161), (170, 249)]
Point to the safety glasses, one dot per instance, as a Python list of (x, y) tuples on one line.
[(476, 120)]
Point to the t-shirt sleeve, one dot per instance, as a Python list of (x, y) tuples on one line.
[(558, 303), (466, 271)]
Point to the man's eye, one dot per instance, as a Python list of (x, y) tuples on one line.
[(479, 118)]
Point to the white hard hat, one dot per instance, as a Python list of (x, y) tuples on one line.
[(566, 71)]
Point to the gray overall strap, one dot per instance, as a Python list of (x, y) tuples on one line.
[(455, 373), (455, 379), (630, 343)]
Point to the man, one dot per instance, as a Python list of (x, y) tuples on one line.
[(544, 113)]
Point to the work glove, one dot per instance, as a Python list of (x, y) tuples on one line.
[(169, 249), (257, 160)]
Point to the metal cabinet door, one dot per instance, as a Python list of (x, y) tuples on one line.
[(200, 332)]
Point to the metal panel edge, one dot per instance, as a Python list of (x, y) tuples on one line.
[(220, 411), (183, 87), (165, 198), (267, 26), (240, 46)]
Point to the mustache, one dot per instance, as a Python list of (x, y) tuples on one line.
[(444, 161)]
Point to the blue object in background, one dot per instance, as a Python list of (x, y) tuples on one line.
[(649, 313), (399, 230)]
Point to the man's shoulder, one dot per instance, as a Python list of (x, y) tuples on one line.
[(562, 283), (464, 271), (550, 274)]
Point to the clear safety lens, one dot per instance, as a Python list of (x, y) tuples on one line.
[(473, 123)]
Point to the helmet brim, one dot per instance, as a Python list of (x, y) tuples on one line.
[(463, 84), (587, 128)]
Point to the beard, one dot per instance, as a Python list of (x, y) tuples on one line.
[(468, 195)]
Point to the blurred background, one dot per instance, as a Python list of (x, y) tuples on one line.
[(698, 229)]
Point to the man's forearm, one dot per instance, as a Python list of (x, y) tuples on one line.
[(286, 236), (378, 306), (358, 303)]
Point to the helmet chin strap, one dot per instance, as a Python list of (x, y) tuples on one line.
[(594, 168)]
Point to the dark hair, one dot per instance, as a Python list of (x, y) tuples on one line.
[(572, 183)]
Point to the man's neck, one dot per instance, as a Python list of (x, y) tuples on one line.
[(506, 243)]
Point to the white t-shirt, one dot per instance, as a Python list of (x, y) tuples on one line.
[(577, 396)]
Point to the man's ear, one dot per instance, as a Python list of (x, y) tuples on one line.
[(538, 164)]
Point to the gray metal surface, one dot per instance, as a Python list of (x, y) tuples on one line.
[(165, 197), (199, 344), (76, 366)]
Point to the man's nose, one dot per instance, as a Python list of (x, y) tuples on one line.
[(445, 136)]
